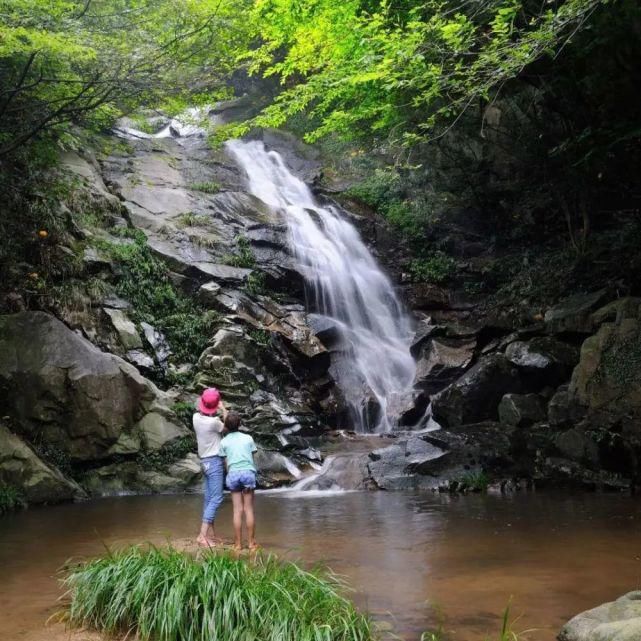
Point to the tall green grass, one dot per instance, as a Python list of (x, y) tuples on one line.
[(166, 595)]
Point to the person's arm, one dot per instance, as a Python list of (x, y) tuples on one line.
[(223, 454), (223, 410)]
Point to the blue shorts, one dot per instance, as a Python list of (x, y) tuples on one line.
[(241, 480)]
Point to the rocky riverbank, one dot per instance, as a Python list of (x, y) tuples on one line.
[(178, 278)]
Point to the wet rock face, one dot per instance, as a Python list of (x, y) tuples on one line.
[(619, 620), (61, 390), (544, 361), (475, 395), (440, 361)]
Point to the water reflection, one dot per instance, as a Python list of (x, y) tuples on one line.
[(411, 558)]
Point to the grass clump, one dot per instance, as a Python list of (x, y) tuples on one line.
[(166, 595), (474, 482), (10, 499), (190, 219), (209, 187), (244, 256)]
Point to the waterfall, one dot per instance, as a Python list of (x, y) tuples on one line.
[(372, 364)]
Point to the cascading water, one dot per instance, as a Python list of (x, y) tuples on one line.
[(373, 368)]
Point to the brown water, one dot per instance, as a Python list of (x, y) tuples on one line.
[(411, 558)]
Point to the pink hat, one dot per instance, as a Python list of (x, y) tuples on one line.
[(208, 401)]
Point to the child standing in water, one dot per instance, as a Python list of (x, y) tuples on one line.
[(238, 450), (208, 428)]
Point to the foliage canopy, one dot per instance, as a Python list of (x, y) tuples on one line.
[(402, 70), (66, 62)]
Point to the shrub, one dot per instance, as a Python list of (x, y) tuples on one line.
[(378, 190), (144, 280), (10, 499), (165, 595), (438, 268), (160, 460), (54, 456), (261, 336), (256, 284), (184, 410)]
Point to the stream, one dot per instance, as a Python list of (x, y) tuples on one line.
[(413, 559)]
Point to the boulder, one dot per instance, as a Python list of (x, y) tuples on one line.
[(575, 444), (62, 390), (126, 330), (129, 477), (475, 395), (274, 469), (188, 470), (347, 471), (573, 313), (618, 620), (563, 408), (38, 482), (441, 361), (140, 359), (156, 430), (398, 466), (521, 409), (608, 377), (157, 341), (543, 360), (208, 293)]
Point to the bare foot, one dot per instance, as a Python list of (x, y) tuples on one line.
[(238, 547), (205, 543), (253, 546)]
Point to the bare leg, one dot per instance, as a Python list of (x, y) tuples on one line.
[(203, 539), (237, 502), (248, 507)]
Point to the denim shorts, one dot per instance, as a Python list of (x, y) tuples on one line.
[(241, 480)]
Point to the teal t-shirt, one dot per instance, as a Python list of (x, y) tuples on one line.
[(238, 448)]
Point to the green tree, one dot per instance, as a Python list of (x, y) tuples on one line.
[(400, 71), (65, 62)]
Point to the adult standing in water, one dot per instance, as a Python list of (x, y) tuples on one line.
[(208, 428)]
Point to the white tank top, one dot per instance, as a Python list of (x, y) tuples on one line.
[(208, 434)]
